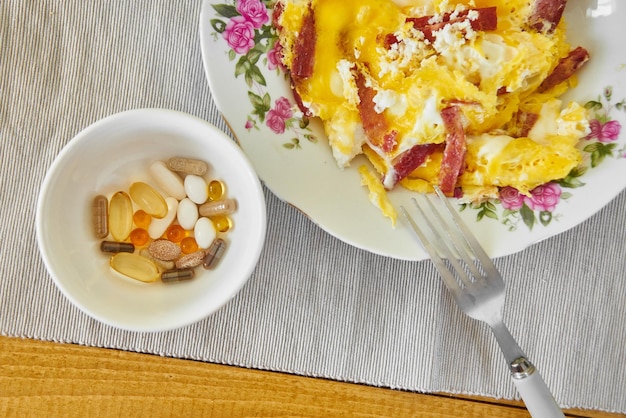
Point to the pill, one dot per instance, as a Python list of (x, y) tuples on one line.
[(158, 226), (135, 266), (188, 166), (188, 245), (99, 216), (175, 233), (214, 254), (148, 199), (196, 189), (120, 216), (217, 189), (204, 232), (116, 247), (163, 249), (142, 219), (170, 182), (187, 214), (139, 237), (218, 207), (161, 264), (177, 275), (190, 260), (222, 223)]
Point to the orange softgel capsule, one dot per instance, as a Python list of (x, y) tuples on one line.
[(142, 219), (139, 237), (189, 245), (175, 233)]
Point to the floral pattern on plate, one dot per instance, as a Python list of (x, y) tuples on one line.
[(246, 28), (245, 25)]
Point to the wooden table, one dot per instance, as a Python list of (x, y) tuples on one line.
[(51, 379)]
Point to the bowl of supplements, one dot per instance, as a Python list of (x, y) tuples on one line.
[(150, 220)]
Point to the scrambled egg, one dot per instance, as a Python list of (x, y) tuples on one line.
[(492, 75)]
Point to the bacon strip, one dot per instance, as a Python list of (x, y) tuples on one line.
[(408, 161), (487, 20), (565, 68), (304, 48), (546, 15), (525, 122), (454, 152), (374, 123)]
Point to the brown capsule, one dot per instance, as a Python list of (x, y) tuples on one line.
[(214, 254), (163, 249), (218, 207), (114, 247), (178, 275), (100, 216), (188, 166), (190, 260)]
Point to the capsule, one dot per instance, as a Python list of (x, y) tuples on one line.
[(170, 182), (148, 199), (116, 247), (99, 216), (214, 254), (188, 166), (187, 214), (135, 266), (222, 223), (218, 207), (217, 189), (158, 226), (120, 216), (177, 275)]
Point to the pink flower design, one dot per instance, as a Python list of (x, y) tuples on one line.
[(239, 33), (283, 108), (254, 11), (275, 121), (249, 124), (511, 198), (544, 198), (277, 117), (604, 132)]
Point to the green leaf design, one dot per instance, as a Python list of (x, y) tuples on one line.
[(599, 152), (255, 74), (218, 25), (225, 10), (545, 217), (487, 209), (528, 216), (593, 105)]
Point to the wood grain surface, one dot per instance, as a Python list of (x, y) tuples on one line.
[(50, 379)]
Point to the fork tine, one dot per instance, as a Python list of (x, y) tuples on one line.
[(440, 265), (459, 238), (469, 238)]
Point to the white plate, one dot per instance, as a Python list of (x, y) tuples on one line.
[(304, 173)]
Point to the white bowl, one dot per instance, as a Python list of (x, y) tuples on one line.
[(108, 156)]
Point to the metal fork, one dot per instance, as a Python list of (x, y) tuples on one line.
[(478, 289)]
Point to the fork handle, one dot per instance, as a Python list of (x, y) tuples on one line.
[(535, 394)]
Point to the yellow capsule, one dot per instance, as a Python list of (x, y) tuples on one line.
[(148, 199), (135, 266), (216, 189), (120, 216), (188, 166), (222, 223), (99, 216)]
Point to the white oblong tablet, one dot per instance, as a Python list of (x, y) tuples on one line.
[(158, 226), (167, 180)]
